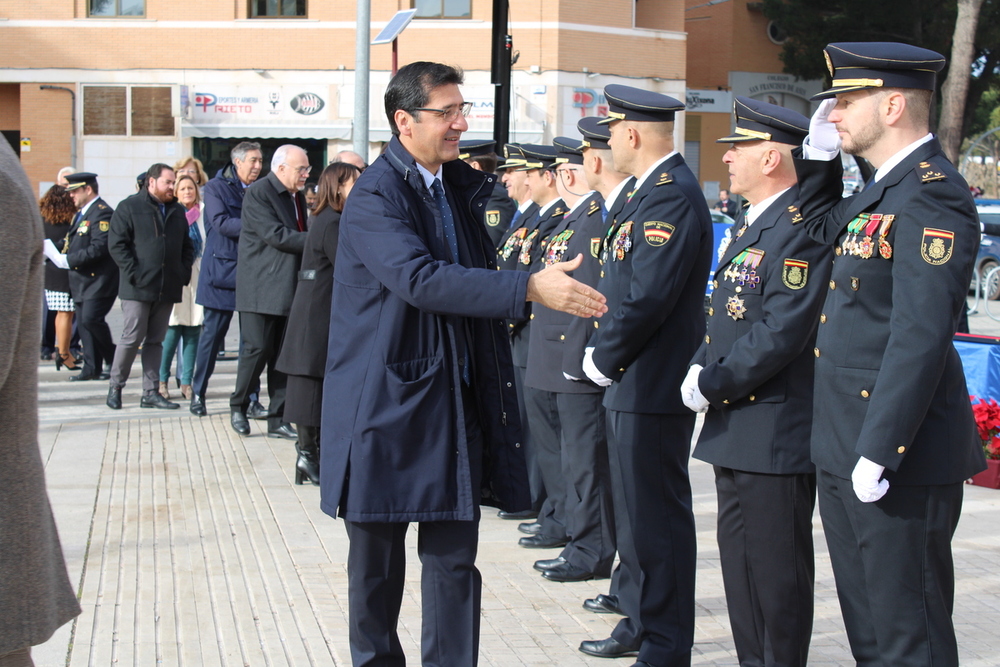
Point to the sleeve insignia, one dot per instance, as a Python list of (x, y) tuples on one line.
[(795, 273), (595, 247), (928, 174), (664, 178), (104, 225), (657, 233), (492, 218), (796, 216), (936, 246)]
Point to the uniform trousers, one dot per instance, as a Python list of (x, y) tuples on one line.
[(590, 521), (213, 335), (652, 496), (450, 583), (545, 443), (893, 566), (95, 334), (768, 570), (145, 323), (535, 485), (261, 337)]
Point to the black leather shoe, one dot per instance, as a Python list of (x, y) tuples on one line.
[(153, 399), (542, 542), (518, 516), (82, 377), (239, 422), (104, 375), (640, 663), (567, 572), (256, 411), (283, 431), (603, 604), (548, 564), (114, 398), (607, 648), (532, 528), (198, 406)]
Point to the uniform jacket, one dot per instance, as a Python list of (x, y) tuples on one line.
[(499, 212), (36, 596), (758, 351), (656, 263), (303, 351), (223, 197), (549, 327), (889, 383), (93, 274), (527, 217), (393, 436), (270, 248), (153, 252)]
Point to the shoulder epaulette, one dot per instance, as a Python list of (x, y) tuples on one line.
[(558, 211), (927, 173), (794, 214), (594, 207), (664, 178), (101, 206)]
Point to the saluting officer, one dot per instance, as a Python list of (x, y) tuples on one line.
[(656, 260), (93, 275), (754, 375), (893, 436), (481, 155)]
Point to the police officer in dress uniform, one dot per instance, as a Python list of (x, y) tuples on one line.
[(893, 435), (656, 260), (93, 275), (579, 426), (754, 376), (481, 155)]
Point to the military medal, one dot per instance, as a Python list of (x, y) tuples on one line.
[(557, 247), (524, 257), (513, 243), (850, 244), (623, 240), (606, 244), (743, 269), (735, 308), (884, 248), (867, 246)]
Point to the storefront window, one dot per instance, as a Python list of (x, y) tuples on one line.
[(443, 9), (137, 111), (260, 9), (117, 8)]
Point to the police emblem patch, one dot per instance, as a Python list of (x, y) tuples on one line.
[(936, 245), (657, 233), (492, 218), (104, 225), (595, 247), (795, 273)]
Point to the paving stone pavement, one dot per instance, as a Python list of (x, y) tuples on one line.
[(191, 546)]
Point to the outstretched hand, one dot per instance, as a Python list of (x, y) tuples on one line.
[(552, 288)]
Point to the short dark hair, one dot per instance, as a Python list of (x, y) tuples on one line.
[(411, 87), (487, 162), (157, 170)]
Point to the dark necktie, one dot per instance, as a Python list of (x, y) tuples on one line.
[(447, 220), (79, 216), (513, 221)]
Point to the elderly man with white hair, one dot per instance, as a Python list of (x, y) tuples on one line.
[(271, 243)]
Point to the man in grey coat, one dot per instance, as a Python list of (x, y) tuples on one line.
[(271, 244), (36, 596), (150, 244)]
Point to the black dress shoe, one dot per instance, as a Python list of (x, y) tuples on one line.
[(532, 528), (603, 604), (543, 565), (239, 422), (114, 398), (567, 572), (153, 399), (256, 411), (283, 431), (607, 648), (518, 516), (198, 406), (542, 542), (82, 377), (104, 375), (640, 663)]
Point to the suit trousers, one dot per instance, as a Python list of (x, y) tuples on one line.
[(768, 569), (590, 521), (893, 566), (95, 334), (535, 485), (261, 342), (450, 584), (145, 323), (213, 335), (546, 436), (652, 496)]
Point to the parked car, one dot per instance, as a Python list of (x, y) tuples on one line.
[(989, 252)]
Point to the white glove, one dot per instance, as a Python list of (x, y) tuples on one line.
[(570, 377), (868, 485), (690, 393), (823, 141), (54, 255), (591, 370)]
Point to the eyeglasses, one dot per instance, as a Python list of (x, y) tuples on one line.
[(301, 170), (452, 114)]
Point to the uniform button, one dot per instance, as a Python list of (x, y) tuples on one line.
[(855, 284), (725, 401), (517, 445), (532, 316), (562, 337), (621, 370), (837, 251), (864, 393), (738, 289), (901, 450), (822, 318), (596, 325), (508, 385), (816, 351), (833, 284), (708, 339), (715, 284), (752, 397), (711, 312), (602, 274)]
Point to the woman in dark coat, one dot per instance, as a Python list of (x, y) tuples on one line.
[(303, 351), (58, 210)]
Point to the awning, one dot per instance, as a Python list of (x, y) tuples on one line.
[(266, 131)]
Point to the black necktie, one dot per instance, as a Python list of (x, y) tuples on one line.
[(447, 220)]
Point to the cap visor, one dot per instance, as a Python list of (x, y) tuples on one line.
[(833, 92), (736, 139)]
